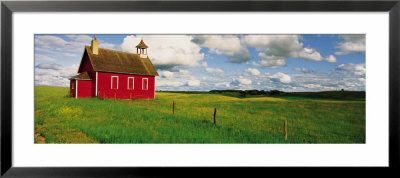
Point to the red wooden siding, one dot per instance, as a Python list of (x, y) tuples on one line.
[(112, 85), (87, 66), (84, 88)]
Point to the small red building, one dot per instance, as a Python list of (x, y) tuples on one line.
[(106, 73)]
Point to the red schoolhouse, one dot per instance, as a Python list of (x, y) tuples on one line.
[(106, 73)]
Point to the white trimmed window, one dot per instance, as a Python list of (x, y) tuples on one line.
[(131, 83), (145, 84), (114, 82)]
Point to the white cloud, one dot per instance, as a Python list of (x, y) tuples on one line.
[(330, 58), (220, 44), (44, 57), (270, 61), (352, 43), (356, 69), (241, 81), (229, 45), (304, 70), (204, 64), (214, 70), (275, 45), (222, 84), (312, 86), (183, 72), (253, 71), (80, 38), (167, 50), (76, 43), (281, 77), (167, 74), (43, 42), (311, 54), (193, 82), (168, 83), (275, 49), (55, 77), (49, 66)]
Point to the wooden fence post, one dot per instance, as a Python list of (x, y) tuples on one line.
[(285, 125), (215, 114), (173, 107)]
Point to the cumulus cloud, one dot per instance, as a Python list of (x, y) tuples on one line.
[(275, 45), (352, 43), (253, 71), (241, 81), (193, 82), (229, 45), (281, 77), (183, 72), (275, 49), (310, 54), (222, 84), (167, 51), (56, 77), (356, 69), (330, 58), (270, 61), (168, 83), (167, 74), (304, 70), (204, 64), (214, 70)]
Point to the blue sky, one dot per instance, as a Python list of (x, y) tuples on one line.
[(209, 62)]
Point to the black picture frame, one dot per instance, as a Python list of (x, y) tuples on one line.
[(8, 7)]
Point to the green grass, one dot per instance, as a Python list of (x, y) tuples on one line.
[(62, 119)]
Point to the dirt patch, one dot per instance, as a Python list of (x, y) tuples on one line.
[(38, 112), (266, 112), (38, 138)]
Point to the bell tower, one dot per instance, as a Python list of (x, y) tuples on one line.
[(141, 49)]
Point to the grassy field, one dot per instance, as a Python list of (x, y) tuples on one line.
[(62, 119)]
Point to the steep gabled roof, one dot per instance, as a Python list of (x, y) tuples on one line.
[(141, 44), (120, 62), (82, 76)]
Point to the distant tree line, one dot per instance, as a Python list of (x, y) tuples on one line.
[(243, 93)]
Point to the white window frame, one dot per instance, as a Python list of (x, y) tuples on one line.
[(133, 83), (76, 90), (96, 83), (112, 82), (147, 83)]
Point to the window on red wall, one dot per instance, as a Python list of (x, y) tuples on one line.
[(73, 85), (145, 84), (114, 82), (131, 85)]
